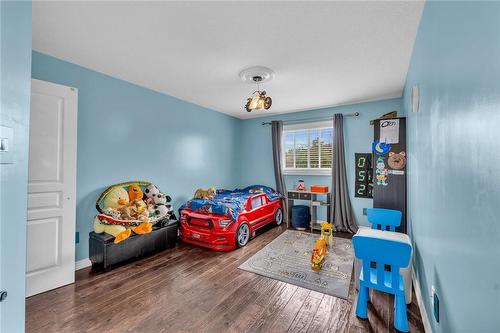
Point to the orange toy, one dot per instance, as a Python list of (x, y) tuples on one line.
[(122, 236), (318, 254), (143, 228), (135, 192)]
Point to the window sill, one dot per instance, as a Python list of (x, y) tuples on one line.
[(307, 172)]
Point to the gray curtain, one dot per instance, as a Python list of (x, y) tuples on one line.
[(276, 131), (342, 215)]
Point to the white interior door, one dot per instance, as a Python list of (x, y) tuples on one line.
[(51, 187)]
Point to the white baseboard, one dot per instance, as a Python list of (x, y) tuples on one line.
[(80, 264), (420, 301)]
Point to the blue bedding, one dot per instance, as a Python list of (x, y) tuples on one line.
[(229, 203)]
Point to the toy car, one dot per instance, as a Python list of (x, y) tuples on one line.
[(229, 219)]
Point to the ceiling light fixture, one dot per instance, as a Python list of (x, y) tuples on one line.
[(257, 75)]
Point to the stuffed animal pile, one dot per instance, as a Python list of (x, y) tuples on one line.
[(128, 207)]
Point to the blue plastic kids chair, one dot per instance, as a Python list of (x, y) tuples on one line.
[(380, 218), (384, 253)]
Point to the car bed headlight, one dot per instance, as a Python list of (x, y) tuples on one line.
[(224, 223)]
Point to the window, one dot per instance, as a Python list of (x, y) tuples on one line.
[(308, 148), (257, 202)]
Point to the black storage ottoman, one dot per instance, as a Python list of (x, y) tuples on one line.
[(104, 253)]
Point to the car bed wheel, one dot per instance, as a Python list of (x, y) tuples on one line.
[(278, 216), (242, 235)]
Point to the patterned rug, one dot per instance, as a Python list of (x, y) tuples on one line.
[(287, 258)]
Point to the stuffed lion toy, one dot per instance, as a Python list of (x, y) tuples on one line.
[(205, 194)]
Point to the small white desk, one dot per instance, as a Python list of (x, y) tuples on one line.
[(312, 197)]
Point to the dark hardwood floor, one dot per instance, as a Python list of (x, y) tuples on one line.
[(190, 289)]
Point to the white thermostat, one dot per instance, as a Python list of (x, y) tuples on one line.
[(6, 135), (415, 98)]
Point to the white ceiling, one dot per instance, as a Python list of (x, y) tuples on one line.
[(323, 53)]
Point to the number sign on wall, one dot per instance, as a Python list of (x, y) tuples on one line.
[(364, 176)]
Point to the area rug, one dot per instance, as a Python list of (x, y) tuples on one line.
[(287, 258)]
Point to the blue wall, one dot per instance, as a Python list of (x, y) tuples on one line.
[(178, 145), (126, 132), (256, 157), (15, 98), (454, 163)]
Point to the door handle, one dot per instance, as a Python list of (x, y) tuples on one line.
[(3, 295)]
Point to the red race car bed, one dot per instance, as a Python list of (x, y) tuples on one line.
[(230, 218)]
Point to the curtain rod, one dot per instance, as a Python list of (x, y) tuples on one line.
[(354, 114)]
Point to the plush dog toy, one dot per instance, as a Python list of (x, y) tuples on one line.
[(159, 210), (151, 191), (154, 196), (157, 202), (161, 199), (205, 194)]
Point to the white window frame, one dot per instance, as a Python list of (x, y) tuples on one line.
[(304, 171)]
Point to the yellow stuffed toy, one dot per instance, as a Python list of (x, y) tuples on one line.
[(118, 231), (116, 198)]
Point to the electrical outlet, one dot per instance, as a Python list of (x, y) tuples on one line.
[(436, 308), (435, 303), (365, 211), (77, 237)]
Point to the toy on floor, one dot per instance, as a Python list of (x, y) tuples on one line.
[(205, 194), (123, 210), (327, 234), (318, 254)]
